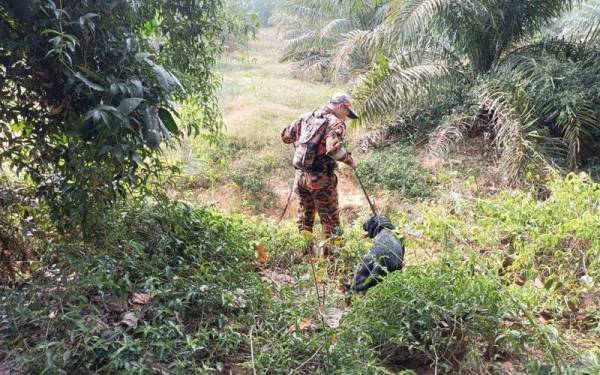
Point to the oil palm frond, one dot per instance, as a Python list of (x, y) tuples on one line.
[(334, 23), (560, 76), (305, 42), (407, 18), (446, 135), (578, 21), (392, 83), (335, 28), (346, 47), (520, 138)]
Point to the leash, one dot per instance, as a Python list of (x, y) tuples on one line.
[(365, 192)]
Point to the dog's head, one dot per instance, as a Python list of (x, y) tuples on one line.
[(376, 224)]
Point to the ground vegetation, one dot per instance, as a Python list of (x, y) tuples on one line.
[(125, 267)]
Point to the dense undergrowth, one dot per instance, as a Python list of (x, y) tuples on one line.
[(395, 168), (441, 314), (163, 288), (503, 284), (540, 257)]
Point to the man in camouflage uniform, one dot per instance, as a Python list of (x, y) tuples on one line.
[(317, 188)]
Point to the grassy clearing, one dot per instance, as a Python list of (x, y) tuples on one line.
[(250, 172)]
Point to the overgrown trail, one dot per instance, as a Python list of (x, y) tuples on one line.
[(259, 96)]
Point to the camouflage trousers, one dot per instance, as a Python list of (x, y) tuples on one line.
[(318, 193)]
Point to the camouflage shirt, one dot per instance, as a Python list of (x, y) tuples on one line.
[(332, 143)]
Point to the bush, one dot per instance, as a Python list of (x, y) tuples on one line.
[(544, 251), (167, 288), (395, 168), (251, 178), (437, 315), (102, 95), (551, 245)]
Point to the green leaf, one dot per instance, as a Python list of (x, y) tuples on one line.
[(550, 282), (143, 56), (163, 130), (89, 83), (166, 79), (167, 120), (87, 19), (151, 129), (71, 38), (50, 31), (136, 88), (137, 158), (66, 356), (96, 115), (129, 105)]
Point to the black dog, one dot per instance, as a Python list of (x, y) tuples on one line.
[(387, 254)]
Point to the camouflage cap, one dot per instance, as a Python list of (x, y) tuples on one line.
[(343, 98)]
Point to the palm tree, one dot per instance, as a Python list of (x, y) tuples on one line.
[(528, 66), (314, 28), (503, 50)]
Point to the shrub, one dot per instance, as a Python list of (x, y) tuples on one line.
[(438, 315), (102, 95), (251, 178), (552, 243), (395, 168), (544, 251), (167, 288)]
